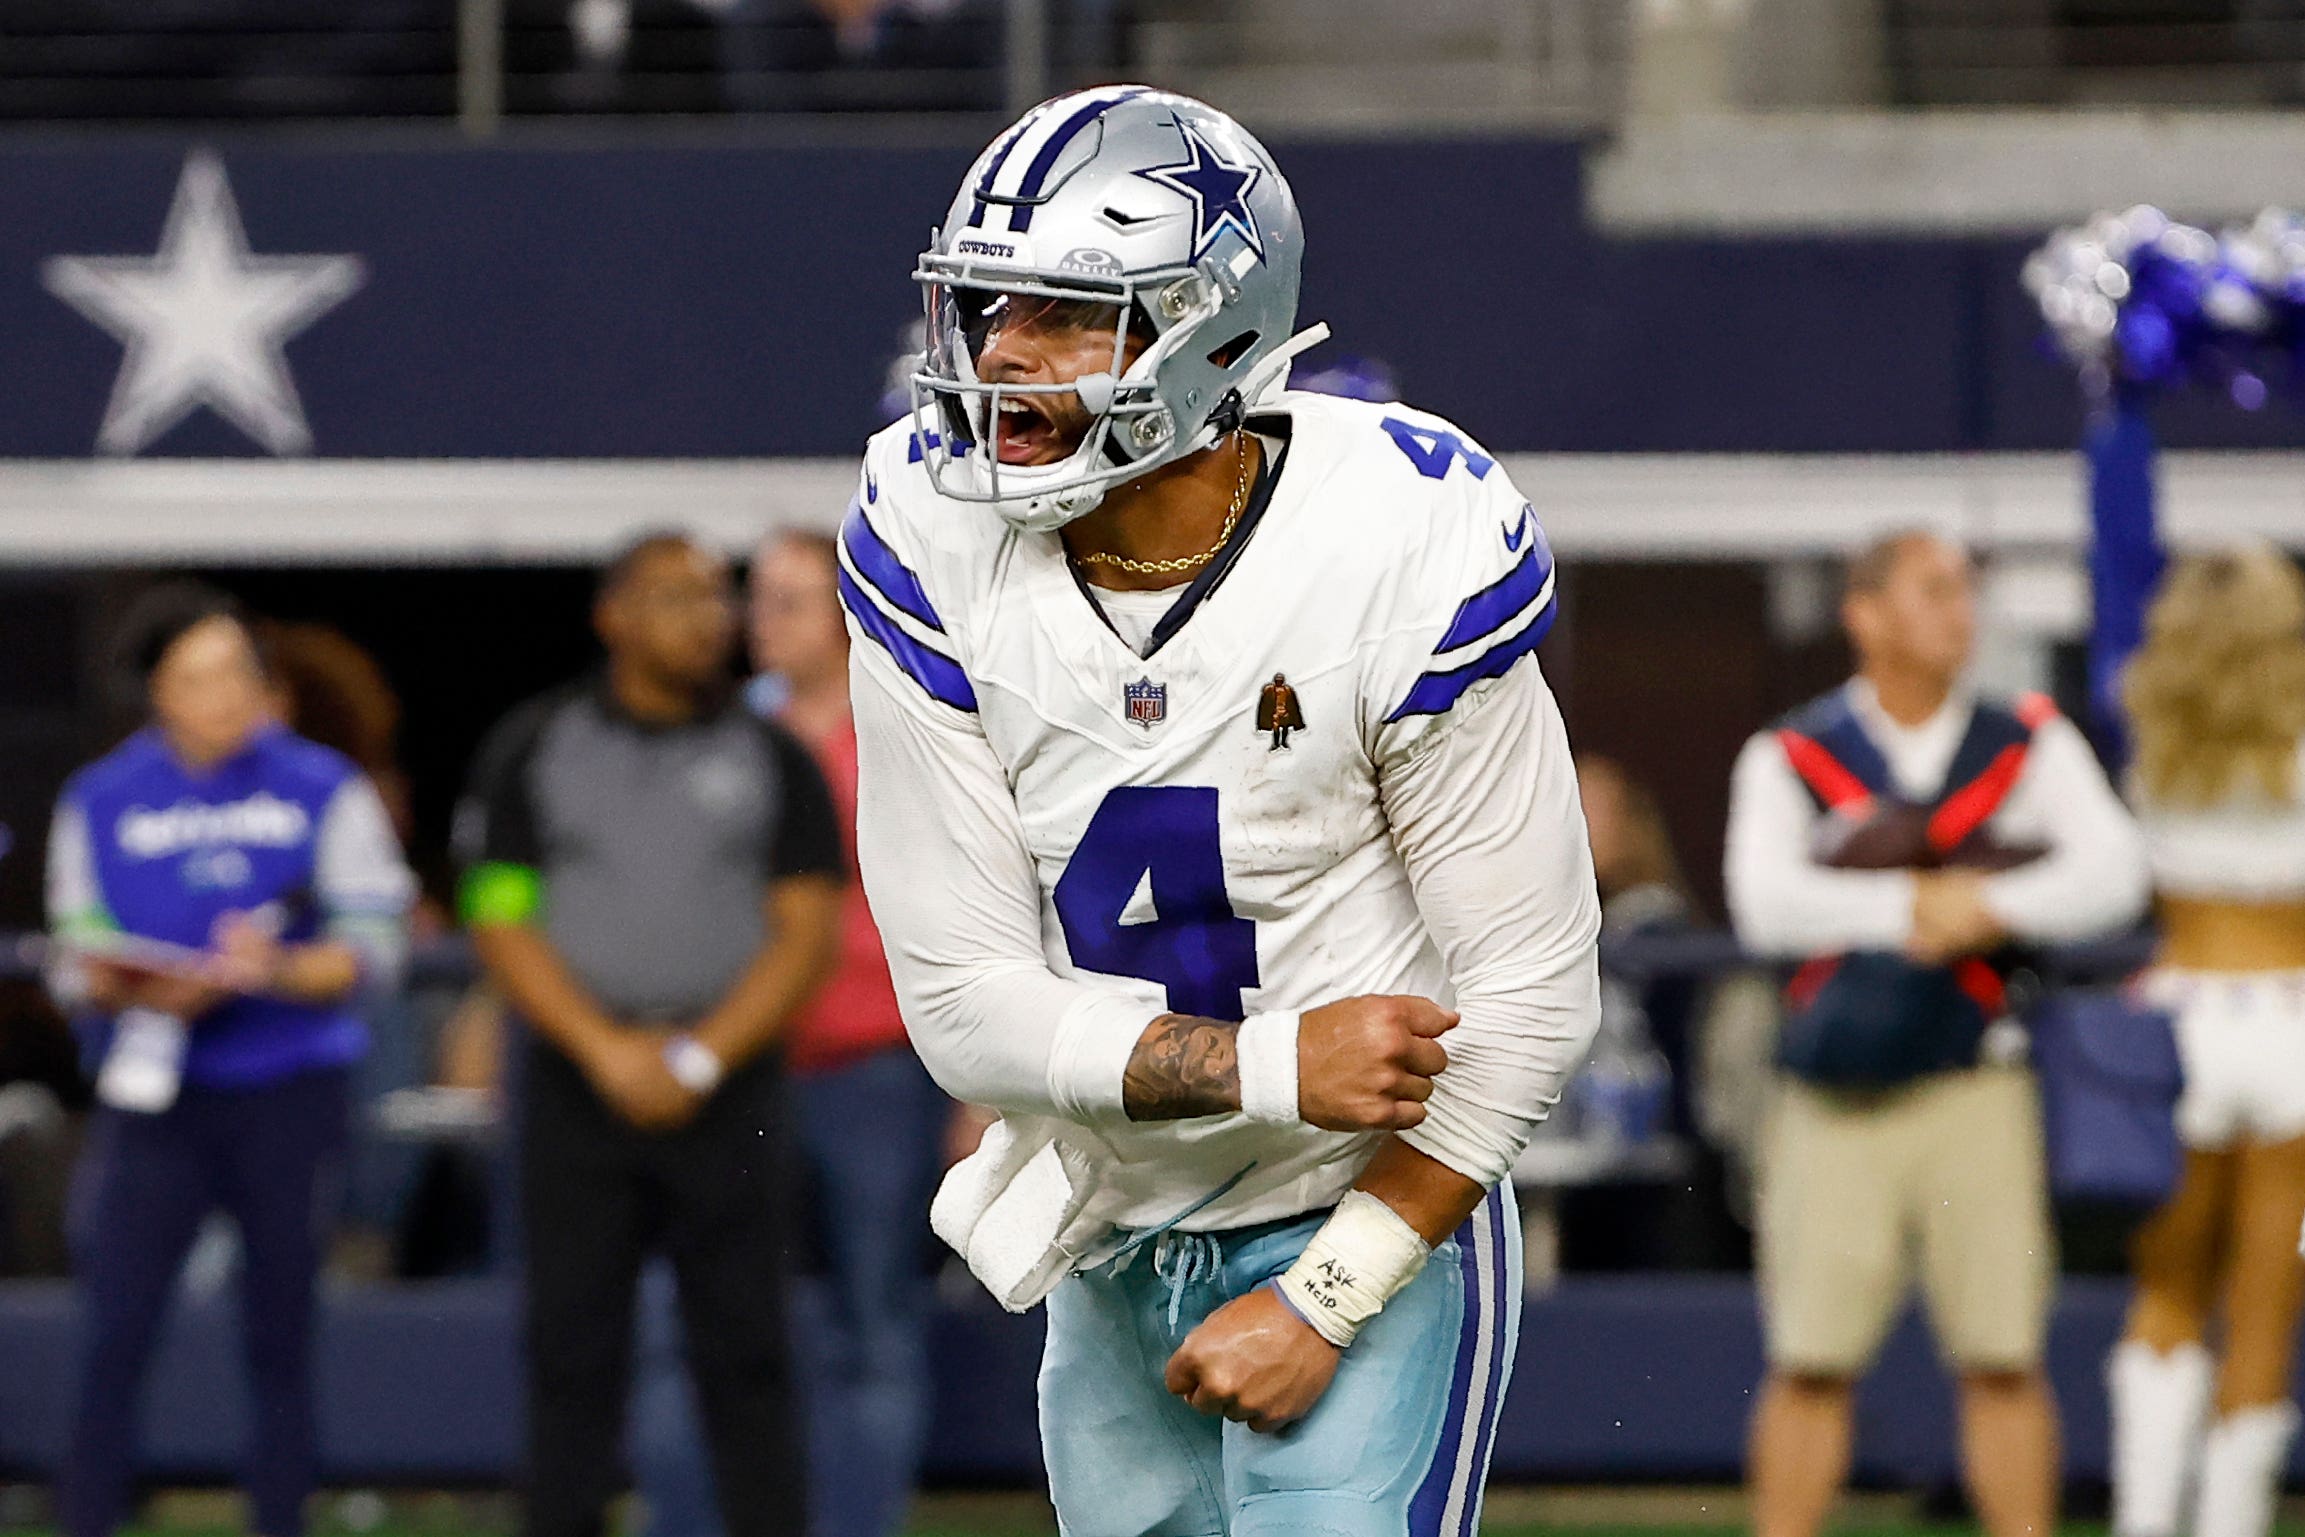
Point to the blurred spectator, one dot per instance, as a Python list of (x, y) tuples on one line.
[(449, 1224), (1683, 1222), (917, 55), (212, 946), (330, 690), (871, 1119), (1642, 889), (670, 1472), (790, 55), (231, 58), (42, 1100), (2216, 700), (1352, 376), (1895, 836), (653, 882)]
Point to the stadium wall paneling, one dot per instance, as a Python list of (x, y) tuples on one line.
[(686, 299)]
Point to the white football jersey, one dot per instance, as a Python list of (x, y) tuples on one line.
[(1209, 825)]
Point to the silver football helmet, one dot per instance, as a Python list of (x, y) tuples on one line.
[(1132, 211)]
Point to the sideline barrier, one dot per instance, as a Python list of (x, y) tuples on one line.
[(1619, 1377)]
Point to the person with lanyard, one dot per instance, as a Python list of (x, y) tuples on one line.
[(1894, 838), (653, 881), (220, 891)]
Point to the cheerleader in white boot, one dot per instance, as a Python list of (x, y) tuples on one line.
[(2217, 702)]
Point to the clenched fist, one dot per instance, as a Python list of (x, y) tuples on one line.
[(1368, 1064), (1255, 1361)]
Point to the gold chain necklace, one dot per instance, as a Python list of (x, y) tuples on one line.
[(1187, 562)]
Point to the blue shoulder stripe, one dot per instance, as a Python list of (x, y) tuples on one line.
[(880, 566), (1437, 692), (935, 672), (1487, 611)]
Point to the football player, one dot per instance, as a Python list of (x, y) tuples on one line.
[(1223, 835)]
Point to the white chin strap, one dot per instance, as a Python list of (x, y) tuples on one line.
[(1272, 375), (1051, 510)]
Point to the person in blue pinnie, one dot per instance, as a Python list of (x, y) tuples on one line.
[(220, 892)]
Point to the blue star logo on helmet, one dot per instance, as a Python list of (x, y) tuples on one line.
[(1219, 190)]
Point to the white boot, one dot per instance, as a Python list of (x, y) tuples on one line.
[(2160, 1404), (2241, 1463)]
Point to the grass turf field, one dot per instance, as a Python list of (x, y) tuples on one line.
[(1567, 1512)]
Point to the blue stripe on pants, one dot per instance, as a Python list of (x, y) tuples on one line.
[(1447, 1503)]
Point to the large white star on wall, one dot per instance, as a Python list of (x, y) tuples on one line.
[(203, 321)]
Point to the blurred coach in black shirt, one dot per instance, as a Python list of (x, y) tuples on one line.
[(653, 878)]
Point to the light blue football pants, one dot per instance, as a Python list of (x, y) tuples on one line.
[(1398, 1445)]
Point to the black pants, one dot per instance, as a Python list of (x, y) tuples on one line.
[(264, 1155), (599, 1196)]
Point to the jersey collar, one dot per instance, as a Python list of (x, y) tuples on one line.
[(1213, 574)]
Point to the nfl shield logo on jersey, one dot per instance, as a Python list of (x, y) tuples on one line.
[(1145, 703)]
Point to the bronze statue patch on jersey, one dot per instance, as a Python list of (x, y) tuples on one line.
[(1278, 711)]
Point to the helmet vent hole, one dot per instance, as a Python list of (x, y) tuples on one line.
[(1232, 352), (1124, 219)]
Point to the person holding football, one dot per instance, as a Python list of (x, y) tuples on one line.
[(1894, 838)]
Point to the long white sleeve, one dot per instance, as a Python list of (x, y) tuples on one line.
[(1486, 818), (2094, 877), (75, 897), (75, 900), (363, 881), (958, 904), (1782, 902)]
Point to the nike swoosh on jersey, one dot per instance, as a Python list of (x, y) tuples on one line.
[(1515, 533)]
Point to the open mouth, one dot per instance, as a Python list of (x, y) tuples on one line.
[(1024, 433)]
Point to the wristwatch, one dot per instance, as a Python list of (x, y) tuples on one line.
[(696, 1066)]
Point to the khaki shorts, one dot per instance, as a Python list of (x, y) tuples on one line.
[(1859, 1191)]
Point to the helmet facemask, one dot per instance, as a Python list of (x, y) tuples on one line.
[(1129, 430)]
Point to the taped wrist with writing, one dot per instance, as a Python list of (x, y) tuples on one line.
[(1358, 1261)]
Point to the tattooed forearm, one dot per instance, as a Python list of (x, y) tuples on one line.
[(1184, 1066)]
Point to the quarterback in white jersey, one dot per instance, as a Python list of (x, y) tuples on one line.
[(1223, 836)]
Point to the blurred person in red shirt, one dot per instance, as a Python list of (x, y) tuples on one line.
[(872, 1122)]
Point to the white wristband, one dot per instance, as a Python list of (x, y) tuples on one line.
[(694, 1065), (1358, 1261), (1266, 1049)]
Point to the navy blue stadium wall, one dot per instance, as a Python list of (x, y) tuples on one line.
[(728, 299), (1617, 1377)]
